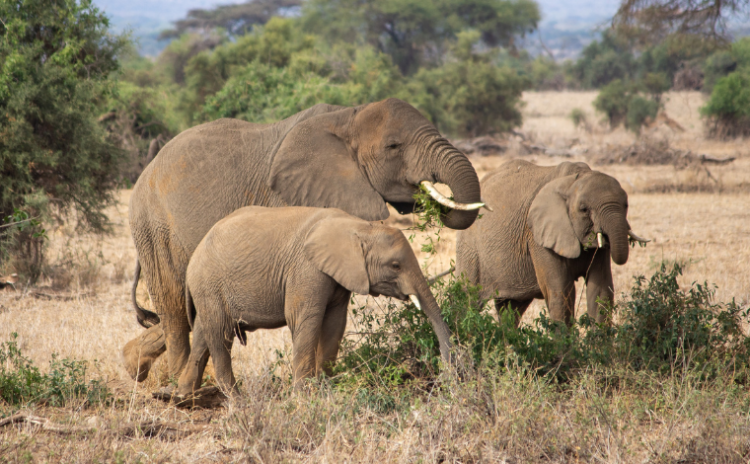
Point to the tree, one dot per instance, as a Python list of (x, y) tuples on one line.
[(235, 19), (416, 32), (652, 20), (55, 60)]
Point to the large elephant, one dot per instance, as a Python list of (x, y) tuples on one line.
[(549, 226), (356, 159), (263, 268)]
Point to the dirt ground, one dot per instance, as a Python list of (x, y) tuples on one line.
[(707, 229)]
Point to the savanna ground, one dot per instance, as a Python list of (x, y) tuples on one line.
[(698, 215)]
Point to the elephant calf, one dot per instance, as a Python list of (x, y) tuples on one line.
[(549, 226), (263, 268)]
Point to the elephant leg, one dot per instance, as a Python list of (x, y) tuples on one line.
[(332, 331), (177, 332), (599, 286), (518, 307), (556, 284), (140, 353), (220, 346), (192, 375)]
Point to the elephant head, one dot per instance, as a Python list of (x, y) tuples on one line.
[(581, 207), (374, 259), (357, 159)]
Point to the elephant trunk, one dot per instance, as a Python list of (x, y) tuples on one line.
[(426, 302), (615, 225), (456, 171)]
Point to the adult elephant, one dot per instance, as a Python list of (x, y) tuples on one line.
[(355, 159), (549, 226)]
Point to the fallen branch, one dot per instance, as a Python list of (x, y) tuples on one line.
[(58, 296), (710, 159), (149, 429)]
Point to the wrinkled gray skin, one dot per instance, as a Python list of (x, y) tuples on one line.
[(541, 237), (355, 159), (263, 268)]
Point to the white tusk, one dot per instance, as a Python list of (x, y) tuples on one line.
[(486, 206), (415, 300), (600, 239), (637, 238), (443, 200)]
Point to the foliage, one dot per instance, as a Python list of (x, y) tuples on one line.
[(411, 32), (261, 93), (22, 383), (621, 102), (728, 109), (603, 62), (652, 20), (578, 117), (661, 328), (235, 19), (471, 95), (55, 60)]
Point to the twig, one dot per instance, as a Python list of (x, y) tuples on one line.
[(18, 222)]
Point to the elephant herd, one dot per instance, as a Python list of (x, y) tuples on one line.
[(241, 226)]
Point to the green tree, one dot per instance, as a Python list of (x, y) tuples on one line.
[(55, 60), (416, 32)]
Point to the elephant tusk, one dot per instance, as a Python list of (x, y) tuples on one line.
[(443, 200), (637, 238), (486, 206), (415, 300), (600, 239)]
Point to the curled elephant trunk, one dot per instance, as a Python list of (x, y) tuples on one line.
[(616, 227), (455, 170)]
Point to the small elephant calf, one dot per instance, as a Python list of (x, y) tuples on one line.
[(263, 268)]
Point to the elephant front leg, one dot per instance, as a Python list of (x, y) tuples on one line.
[(556, 284), (332, 332), (600, 292)]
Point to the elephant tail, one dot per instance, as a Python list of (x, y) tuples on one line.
[(190, 307), (434, 279), (145, 317)]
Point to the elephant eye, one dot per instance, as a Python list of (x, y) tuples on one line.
[(393, 145), (583, 208), (396, 266)]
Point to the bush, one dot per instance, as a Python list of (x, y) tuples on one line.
[(727, 112), (22, 383), (624, 103), (56, 63), (578, 117)]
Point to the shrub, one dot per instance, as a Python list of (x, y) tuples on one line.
[(56, 62), (613, 102), (578, 117), (623, 102), (22, 383), (727, 112), (640, 110)]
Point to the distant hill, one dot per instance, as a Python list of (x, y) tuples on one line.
[(566, 27)]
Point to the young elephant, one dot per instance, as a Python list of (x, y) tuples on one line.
[(263, 268), (549, 226)]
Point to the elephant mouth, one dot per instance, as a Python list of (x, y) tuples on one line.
[(407, 207)]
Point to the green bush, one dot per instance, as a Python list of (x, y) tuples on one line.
[(55, 67), (578, 117), (728, 110), (640, 110), (22, 383), (612, 101), (604, 61)]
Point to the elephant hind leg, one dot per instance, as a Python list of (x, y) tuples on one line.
[(192, 375), (140, 353), (518, 307)]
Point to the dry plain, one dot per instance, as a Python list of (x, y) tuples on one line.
[(698, 215)]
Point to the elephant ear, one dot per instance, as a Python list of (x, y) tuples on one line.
[(313, 166), (334, 247), (549, 220)]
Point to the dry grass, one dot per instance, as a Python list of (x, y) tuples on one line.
[(492, 417)]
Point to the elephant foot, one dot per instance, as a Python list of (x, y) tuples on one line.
[(140, 353), (205, 398)]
